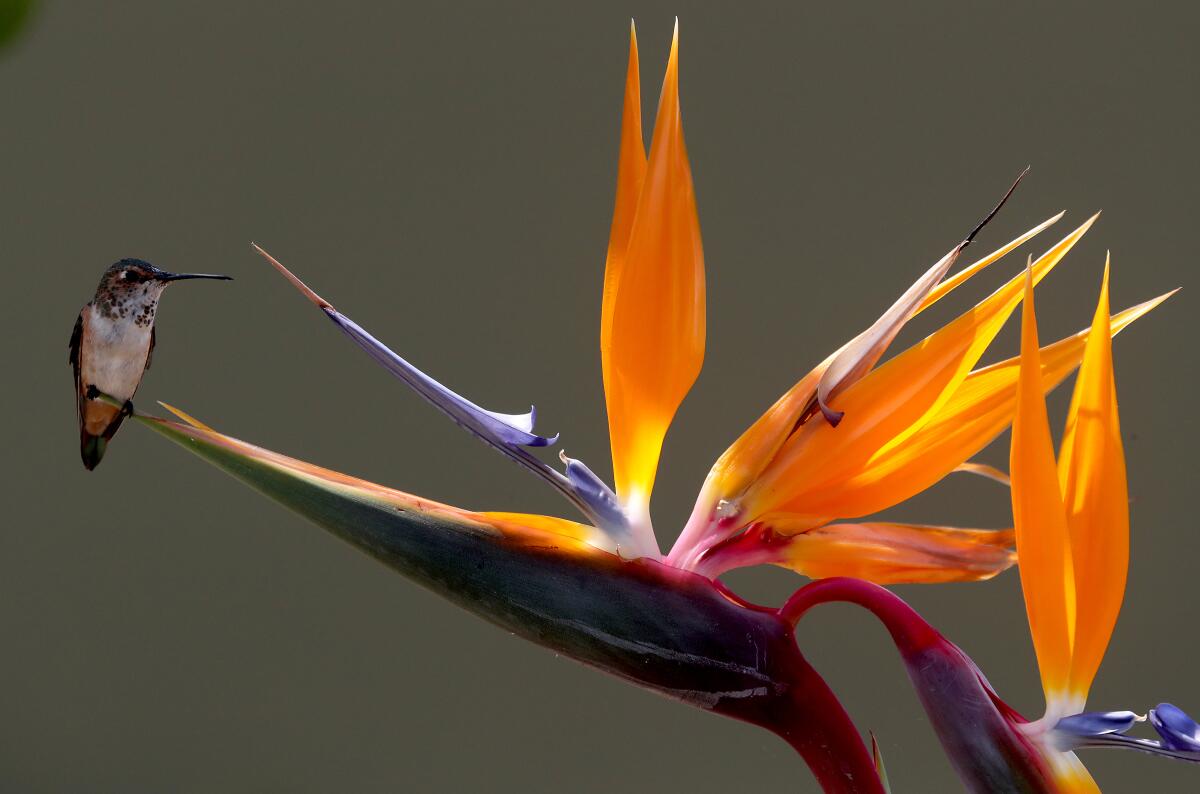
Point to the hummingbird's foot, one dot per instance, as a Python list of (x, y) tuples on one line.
[(127, 409), (92, 393)]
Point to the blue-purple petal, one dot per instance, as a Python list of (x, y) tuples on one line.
[(1177, 729), (1097, 723), (605, 509), (1179, 732), (509, 434), (510, 429)]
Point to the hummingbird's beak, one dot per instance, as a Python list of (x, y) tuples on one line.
[(181, 276)]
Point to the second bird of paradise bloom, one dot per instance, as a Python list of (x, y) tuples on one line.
[(850, 439), (1072, 537)]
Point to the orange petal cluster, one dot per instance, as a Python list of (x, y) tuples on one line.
[(652, 318), (1071, 517), (775, 493)]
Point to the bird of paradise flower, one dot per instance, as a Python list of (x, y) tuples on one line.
[(851, 438)]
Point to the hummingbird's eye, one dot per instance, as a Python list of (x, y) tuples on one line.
[(129, 275)]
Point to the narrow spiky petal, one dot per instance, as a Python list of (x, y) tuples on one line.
[(974, 269), (856, 358), (1039, 518), (653, 340), (978, 411), (1092, 477), (886, 407), (863, 351), (631, 173), (745, 459)]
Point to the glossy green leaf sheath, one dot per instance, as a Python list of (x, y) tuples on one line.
[(670, 630)]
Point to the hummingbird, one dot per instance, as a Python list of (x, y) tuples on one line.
[(112, 345)]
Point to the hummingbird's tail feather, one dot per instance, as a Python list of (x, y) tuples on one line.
[(91, 449)]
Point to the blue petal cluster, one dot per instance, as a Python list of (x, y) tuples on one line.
[(1179, 734)]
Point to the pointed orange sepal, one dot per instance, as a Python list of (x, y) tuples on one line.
[(631, 173), (1091, 471), (811, 472), (1039, 518), (747, 457), (652, 334), (978, 411)]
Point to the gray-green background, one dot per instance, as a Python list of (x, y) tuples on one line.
[(445, 173)]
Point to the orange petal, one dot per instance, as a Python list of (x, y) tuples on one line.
[(655, 323), (880, 552), (863, 351), (749, 455), (631, 173), (887, 406), (857, 357), (959, 278), (755, 449), (739, 466), (978, 411), (1039, 517), (1092, 477), (745, 459)]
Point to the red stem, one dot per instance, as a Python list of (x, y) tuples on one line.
[(979, 732), (908, 629), (807, 715)]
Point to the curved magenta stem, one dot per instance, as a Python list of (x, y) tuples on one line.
[(981, 734), (804, 711), (817, 726), (908, 629)]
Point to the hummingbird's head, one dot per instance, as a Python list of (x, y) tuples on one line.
[(130, 289)]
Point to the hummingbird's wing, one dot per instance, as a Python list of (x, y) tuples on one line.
[(91, 447), (150, 351), (73, 359)]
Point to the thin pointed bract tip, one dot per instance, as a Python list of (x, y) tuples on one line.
[(967, 240), (295, 281), (186, 417)]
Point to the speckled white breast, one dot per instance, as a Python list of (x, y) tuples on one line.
[(113, 354)]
